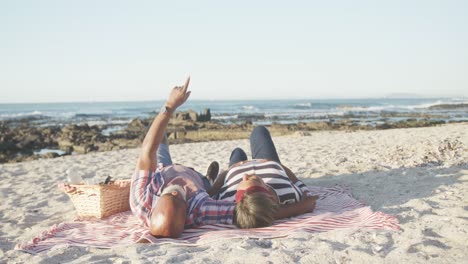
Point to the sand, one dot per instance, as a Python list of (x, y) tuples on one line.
[(420, 175)]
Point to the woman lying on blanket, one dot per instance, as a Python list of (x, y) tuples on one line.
[(263, 188)]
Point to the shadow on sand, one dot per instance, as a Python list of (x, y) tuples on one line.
[(383, 190)]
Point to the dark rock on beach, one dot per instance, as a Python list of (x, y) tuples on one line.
[(80, 138), (449, 106), (205, 116), (410, 123), (17, 141), (20, 140), (411, 115)]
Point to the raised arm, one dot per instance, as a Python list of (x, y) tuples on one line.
[(147, 159)]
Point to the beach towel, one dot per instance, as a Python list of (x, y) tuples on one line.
[(335, 209)]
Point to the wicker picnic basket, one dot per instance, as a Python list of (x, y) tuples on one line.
[(100, 200)]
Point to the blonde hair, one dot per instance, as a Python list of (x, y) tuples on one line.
[(255, 210)]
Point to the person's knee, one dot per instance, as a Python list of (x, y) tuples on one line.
[(238, 153), (259, 131), (237, 150)]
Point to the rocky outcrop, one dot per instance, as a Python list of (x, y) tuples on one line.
[(410, 123), (186, 116), (20, 140), (448, 106), (204, 116), (80, 138)]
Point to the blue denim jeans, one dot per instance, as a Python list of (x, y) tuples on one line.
[(261, 146), (164, 157)]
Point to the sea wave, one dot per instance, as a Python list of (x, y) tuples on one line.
[(303, 105), (249, 108), (422, 106), (402, 107), (38, 115), (432, 105), (21, 114), (349, 108), (224, 117), (106, 122), (35, 115), (227, 111), (301, 115), (97, 115)]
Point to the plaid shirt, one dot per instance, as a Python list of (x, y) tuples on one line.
[(147, 186)]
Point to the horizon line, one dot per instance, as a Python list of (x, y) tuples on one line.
[(238, 99)]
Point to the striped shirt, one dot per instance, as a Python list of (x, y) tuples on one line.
[(271, 172), (147, 187)]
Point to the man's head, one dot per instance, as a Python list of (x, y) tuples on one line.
[(168, 215), (256, 203)]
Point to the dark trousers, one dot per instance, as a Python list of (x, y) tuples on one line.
[(261, 146)]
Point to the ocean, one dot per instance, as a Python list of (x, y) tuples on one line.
[(362, 111)]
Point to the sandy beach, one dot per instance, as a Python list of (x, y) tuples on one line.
[(420, 175)]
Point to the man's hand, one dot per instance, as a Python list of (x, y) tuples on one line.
[(155, 134), (178, 95)]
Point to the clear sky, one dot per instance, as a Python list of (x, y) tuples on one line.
[(60, 51)]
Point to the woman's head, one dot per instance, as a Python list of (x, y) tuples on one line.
[(256, 203), (255, 209)]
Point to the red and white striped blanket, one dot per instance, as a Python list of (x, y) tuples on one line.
[(335, 209)]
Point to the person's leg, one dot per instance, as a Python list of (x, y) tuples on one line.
[(163, 154), (237, 155), (262, 145)]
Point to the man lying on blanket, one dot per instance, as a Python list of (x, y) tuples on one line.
[(262, 187), (168, 198)]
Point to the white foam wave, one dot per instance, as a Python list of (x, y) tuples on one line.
[(224, 117), (440, 102), (329, 113), (45, 151), (393, 107), (249, 107), (453, 101), (309, 114), (366, 109), (25, 114), (303, 105), (422, 106), (65, 115)]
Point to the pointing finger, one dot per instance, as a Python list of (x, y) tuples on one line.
[(186, 84), (186, 96)]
